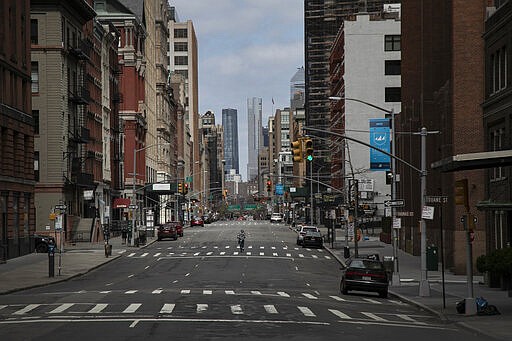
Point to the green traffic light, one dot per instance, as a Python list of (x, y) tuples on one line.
[(309, 157)]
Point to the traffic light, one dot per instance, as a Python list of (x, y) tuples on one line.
[(186, 189), (389, 178), (308, 145), (297, 150), (269, 186), (180, 188)]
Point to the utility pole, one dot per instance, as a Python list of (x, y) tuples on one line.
[(311, 192)]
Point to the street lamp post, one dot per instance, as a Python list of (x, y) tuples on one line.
[(134, 191), (223, 163)]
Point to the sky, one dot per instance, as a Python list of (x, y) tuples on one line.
[(247, 48)]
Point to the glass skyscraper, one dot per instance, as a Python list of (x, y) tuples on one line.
[(255, 135), (230, 124)]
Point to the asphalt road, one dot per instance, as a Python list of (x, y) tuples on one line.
[(201, 287)]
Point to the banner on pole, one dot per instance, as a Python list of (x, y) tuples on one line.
[(380, 137)]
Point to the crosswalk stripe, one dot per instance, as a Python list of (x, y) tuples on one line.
[(288, 255), (235, 253), (3, 306), (249, 253), (61, 308), (409, 319), (301, 255), (274, 254), (197, 253), (374, 317), (203, 247), (337, 298), (262, 247), (309, 296), (262, 253), (98, 308), (201, 307), (250, 247), (256, 292), (273, 247), (306, 311), (167, 308), (185, 291), (236, 309), (144, 254), (209, 253), (132, 308), (230, 292), (222, 253), (372, 301), (282, 293), (340, 314), (157, 254), (270, 309), (314, 256), (106, 292), (327, 257), (207, 292), (227, 247), (27, 309), (131, 292), (157, 291), (397, 302), (131, 254)]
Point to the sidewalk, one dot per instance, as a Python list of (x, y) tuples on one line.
[(32, 270), (497, 327)]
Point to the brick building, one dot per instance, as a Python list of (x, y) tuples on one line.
[(17, 218)]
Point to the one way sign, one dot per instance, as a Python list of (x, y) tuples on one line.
[(394, 203)]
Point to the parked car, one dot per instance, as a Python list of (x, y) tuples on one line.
[(41, 243), (196, 221), (364, 274), (276, 218), (313, 239), (302, 230), (179, 227), (167, 230)]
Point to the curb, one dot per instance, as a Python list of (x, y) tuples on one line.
[(107, 260)]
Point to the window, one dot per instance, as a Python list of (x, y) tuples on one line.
[(180, 47), (393, 94), (180, 60), (499, 236), (34, 34), (35, 116), (498, 67), (180, 33), (35, 77), (496, 143), (392, 42), (392, 67), (184, 73)]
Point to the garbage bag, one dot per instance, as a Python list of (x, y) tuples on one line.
[(461, 307)]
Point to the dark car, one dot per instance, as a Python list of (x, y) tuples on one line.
[(179, 227), (364, 274), (313, 239), (42, 242), (167, 230), (196, 221)]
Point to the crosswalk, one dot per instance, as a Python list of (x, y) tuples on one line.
[(230, 251), (205, 310)]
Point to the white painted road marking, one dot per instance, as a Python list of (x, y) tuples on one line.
[(157, 291), (311, 297), (184, 291), (63, 307), (98, 308), (132, 308), (167, 308), (256, 292), (306, 311), (282, 293), (144, 254), (131, 292), (207, 292), (270, 309), (374, 317), (131, 254), (236, 309), (340, 314), (230, 292), (201, 307), (157, 254), (337, 298), (372, 301)]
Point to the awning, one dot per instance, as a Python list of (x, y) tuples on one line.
[(490, 205), (474, 161), (121, 202)]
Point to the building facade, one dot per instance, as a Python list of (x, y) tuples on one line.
[(18, 124), (230, 124), (255, 136)]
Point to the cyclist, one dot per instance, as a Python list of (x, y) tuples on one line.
[(241, 240)]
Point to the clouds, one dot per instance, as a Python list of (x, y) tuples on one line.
[(247, 48)]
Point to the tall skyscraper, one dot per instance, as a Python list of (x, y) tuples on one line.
[(255, 135), (297, 89), (230, 124)]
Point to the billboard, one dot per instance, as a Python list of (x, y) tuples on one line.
[(380, 136)]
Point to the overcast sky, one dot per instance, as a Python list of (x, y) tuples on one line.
[(247, 48)]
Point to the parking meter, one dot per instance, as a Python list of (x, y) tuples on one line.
[(51, 260)]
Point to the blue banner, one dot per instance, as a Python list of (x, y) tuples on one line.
[(380, 136), (279, 189)]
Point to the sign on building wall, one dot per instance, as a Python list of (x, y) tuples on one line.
[(380, 138)]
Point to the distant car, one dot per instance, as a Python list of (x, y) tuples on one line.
[(302, 230), (313, 239), (276, 218), (167, 230), (42, 242), (196, 221), (179, 227), (364, 274)]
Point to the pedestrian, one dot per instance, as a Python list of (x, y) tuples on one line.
[(241, 240), (124, 234)]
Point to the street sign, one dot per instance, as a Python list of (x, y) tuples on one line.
[(279, 189), (427, 212), (397, 223), (61, 207), (436, 199), (132, 207), (394, 203)]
